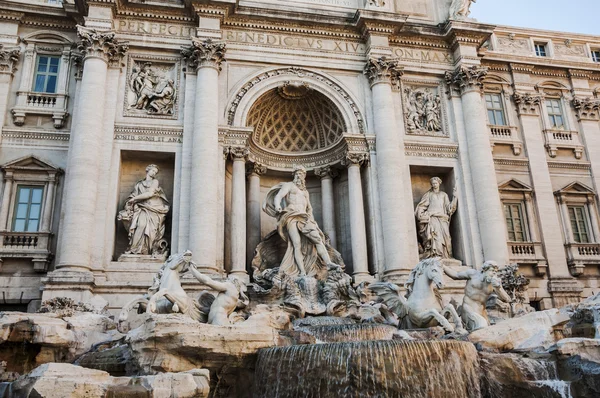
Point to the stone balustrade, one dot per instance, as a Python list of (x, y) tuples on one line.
[(28, 245), (32, 103), (581, 254), (506, 135), (563, 139), (528, 253)]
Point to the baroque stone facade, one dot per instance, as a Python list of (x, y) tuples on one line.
[(227, 98)]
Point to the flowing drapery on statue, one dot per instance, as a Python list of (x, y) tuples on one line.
[(144, 216), (433, 215), (289, 203)]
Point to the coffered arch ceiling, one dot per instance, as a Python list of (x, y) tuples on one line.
[(295, 118)]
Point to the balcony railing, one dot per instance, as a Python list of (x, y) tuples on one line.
[(528, 253), (506, 135), (563, 139), (33, 245), (32, 103), (581, 254)]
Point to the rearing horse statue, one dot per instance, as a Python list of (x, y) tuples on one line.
[(423, 305)]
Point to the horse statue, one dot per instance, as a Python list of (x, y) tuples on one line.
[(422, 306)]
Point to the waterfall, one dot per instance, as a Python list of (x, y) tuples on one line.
[(346, 333), (408, 369)]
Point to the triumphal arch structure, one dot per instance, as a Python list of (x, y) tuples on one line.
[(135, 129)]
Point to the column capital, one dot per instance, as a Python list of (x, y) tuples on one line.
[(326, 172), (255, 168), (587, 108), (238, 153), (383, 70), (355, 159), (99, 44), (9, 57), (204, 53), (467, 78), (527, 104)]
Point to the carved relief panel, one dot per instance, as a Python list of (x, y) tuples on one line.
[(424, 112), (152, 87)]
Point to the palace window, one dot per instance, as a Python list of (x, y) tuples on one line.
[(596, 55), (495, 109), (555, 114), (513, 213), (579, 227), (28, 208), (46, 74), (541, 49)]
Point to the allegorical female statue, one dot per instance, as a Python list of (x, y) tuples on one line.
[(144, 216), (433, 215)]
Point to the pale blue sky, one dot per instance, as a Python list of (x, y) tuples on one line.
[(577, 16)]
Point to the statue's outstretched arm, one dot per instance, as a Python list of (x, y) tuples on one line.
[(457, 275), (206, 280), (285, 189)]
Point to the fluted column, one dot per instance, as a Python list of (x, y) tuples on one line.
[(327, 174), (238, 213), (358, 229), (206, 56), (83, 163), (253, 210), (49, 206), (468, 80), (391, 163)]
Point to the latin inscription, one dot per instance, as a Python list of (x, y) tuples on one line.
[(412, 54), (287, 41), (155, 28), (147, 138)]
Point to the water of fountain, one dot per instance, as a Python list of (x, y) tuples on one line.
[(351, 332), (369, 369)]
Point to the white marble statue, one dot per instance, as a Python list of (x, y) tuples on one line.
[(433, 215), (144, 216), (154, 92), (306, 252), (460, 9), (423, 305), (231, 295), (480, 286)]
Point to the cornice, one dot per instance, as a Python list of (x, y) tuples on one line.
[(569, 165), (309, 30), (511, 162), (422, 149)]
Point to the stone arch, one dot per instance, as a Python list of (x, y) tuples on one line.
[(246, 94)]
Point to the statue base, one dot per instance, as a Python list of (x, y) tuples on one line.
[(452, 262), (142, 258)]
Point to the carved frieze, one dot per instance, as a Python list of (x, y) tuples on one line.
[(527, 104), (423, 113), (587, 108), (99, 44), (9, 59), (568, 49), (152, 87), (513, 45), (204, 53), (383, 70), (467, 78)]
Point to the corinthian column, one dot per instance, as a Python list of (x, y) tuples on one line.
[(487, 199), (206, 57), (238, 213), (358, 229), (253, 210), (327, 174), (392, 169), (86, 148)]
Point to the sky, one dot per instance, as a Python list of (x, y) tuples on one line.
[(576, 16)]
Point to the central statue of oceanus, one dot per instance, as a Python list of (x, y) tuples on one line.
[(422, 307)]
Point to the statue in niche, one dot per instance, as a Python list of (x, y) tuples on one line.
[(166, 295), (433, 215), (296, 264), (460, 9), (289, 202), (144, 216), (423, 111), (480, 286), (154, 91)]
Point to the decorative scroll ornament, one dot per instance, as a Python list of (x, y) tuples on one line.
[(9, 59), (383, 70), (527, 104), (256, 168), (467, 78), (355, 159), (238, 153), (100, 44), (204, 53), (587, 108), (326, 172)]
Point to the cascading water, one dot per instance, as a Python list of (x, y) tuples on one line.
[(352, 332), (408, 369)]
